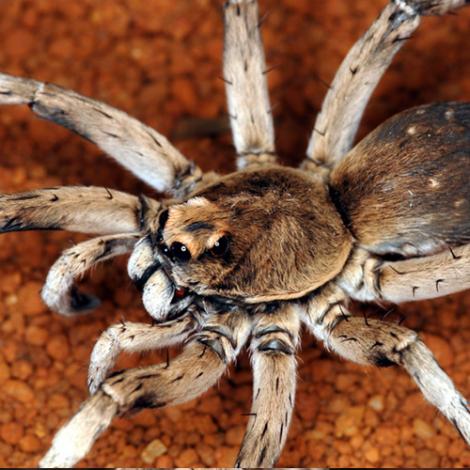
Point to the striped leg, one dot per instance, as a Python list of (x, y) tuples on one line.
[(75, 208), (134, 337), (337, 123), (275, 339), (140, 149), (246, 85), (411, 279), (375, 342), (198, 367), (59, 292)]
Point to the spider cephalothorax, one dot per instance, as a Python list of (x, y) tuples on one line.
[(216, 241), (251, 256)]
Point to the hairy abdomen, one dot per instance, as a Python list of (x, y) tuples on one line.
[(405, 188)]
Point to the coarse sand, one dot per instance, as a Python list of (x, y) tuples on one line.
[(160, 60)]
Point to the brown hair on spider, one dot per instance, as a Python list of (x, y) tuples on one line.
[(260, 235)]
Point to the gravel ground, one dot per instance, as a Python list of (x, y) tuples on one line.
[(160, 61)]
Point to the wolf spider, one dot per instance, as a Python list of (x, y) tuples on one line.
[(253, 255)]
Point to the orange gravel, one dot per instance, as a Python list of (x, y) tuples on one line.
[(160, 61)]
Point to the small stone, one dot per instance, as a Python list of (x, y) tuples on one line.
[(58, 401), (153, 450), (29, 299), (225, 456), (357, 441), (387, 436), (58, 348), (19, 391), (11, 282), (321, 431), (164, 461), (11, 433), (36, 335), (234, 436), (211, 405), (423, 429), (345, 382), (187, 458), (145, 418), (338, 404), (377, 403), (29, 443), (21, 370), (183, 89), (207, 454), (174, 414), (348, 423), (40, 430), (372, 455), (409, 451), (427, 458), (205, 425)]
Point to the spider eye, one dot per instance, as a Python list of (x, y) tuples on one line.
[(220, 246), (179, 252)]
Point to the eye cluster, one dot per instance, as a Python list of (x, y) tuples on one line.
[(179, 252)]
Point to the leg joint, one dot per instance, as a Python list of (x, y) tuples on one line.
[(276, 345)]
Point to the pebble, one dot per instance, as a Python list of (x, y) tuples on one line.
[(187, 458), (376, 403), (155, 449), (29, 299), (348, 423), (164, 461), (21, 370), (29, 443), (372, 455), (235, 435), (58, 348), (11, 433), (36, 335), (423, 429), (427, 458), (18, 391)]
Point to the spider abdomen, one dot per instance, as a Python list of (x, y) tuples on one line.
[(404, 188)]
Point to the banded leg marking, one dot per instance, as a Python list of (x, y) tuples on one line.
[(275, 339), (198, 367)]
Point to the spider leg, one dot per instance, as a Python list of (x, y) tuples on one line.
[(139, 148), (416, 278), (202, 362), (133, 337), (59, 292), (384, 344), (246, 85), (275, 339), (337, 123), (75, 208)]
